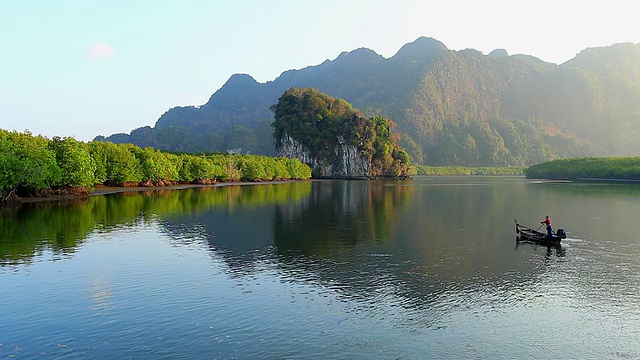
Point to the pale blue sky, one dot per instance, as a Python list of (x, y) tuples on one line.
[(84, 68)]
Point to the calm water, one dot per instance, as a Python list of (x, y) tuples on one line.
[(424, 269)]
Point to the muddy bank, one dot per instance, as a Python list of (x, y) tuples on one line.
[(70, 193)]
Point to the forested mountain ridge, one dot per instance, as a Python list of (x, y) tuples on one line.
[(451, 107)]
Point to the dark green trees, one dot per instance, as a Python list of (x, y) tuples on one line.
[(321, 123)]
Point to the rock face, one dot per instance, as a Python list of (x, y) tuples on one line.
[(349, 162)]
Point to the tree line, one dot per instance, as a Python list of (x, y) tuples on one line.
[(610, 168), (29, 164), (462, 170)]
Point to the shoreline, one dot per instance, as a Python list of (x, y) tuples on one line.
[(106, 190)]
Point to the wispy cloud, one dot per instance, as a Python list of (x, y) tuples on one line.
[(101, 50)]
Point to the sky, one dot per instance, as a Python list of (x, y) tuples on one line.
[(84, 68)]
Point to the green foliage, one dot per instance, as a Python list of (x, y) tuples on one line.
[(258, 167), (462, 170), (6, 154), (26, 162), (98, 152), (613, 168), (230, 165), (197, 168), (321, 123), (75, 161), (253, 168), (31, 163), (120, 164), (155, 165), (295, 169), (315, 120)]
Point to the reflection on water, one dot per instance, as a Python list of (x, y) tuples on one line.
[(339, 215), (427, 268), (60, 227)]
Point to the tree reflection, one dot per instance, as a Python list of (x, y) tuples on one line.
[(60, 227)]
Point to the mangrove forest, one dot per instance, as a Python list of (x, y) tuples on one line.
[(35, 165), (586, 168)]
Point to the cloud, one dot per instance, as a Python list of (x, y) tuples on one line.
[(101, 50)]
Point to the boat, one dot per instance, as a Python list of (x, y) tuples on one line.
[(530, 235)]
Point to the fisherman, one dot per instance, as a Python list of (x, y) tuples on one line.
[(547, 222)]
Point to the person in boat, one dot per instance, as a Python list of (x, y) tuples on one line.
[(547, 222)]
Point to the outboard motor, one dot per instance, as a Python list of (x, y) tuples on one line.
[(561, 234)]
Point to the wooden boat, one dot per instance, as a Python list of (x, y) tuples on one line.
[(531, 235)]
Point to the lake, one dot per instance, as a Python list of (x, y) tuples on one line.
[(421, 269)]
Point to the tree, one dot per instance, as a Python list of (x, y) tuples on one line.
[(27, 162), (75, 161), (118, 161), (154, 165)]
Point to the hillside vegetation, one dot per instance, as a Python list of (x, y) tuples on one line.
[(321, 123), (451, 107)]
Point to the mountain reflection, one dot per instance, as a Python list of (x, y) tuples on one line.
[(338, 215)]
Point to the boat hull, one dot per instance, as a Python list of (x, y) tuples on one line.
[(539, 240), (527, 234)]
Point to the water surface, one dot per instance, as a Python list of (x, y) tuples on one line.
[(427, 268)]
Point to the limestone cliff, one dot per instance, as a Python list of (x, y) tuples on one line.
[(350, 163)]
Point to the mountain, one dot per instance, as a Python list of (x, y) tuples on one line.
[(451, 107)]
